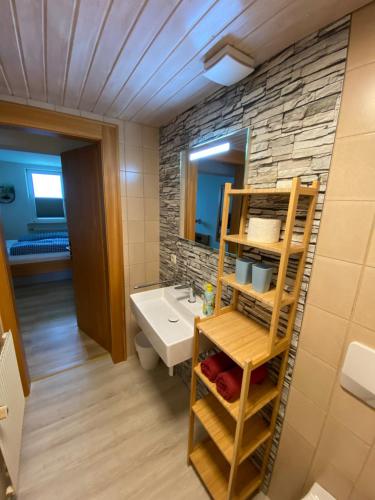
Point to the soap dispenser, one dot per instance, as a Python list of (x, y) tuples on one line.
[(208, 300)]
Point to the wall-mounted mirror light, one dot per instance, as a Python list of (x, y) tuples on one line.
[(204, 171), (215, 150)]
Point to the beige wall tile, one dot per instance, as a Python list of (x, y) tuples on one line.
[(370, 260), (151, 251), (152, 231), (366, 481), (134, 185), (152, 271), (342, 291), (292, 465), (345, 230), (336, 483), (357, 495), (126, 254), (362, 37), (151, 186), (360, 334), (313, 378), (137, 275), (121, 155), (123, 184), (133, 159), (304, 416), (333, 285), (355, 415), (150, 137), (137, 160), (151, 161), (357, 113), (136, 231), (127, 277), (125, 235), (364, 312), (133, 134), (152, 209), (135, 209), (342, 449), (136, 253), (323, 334), (352, 173)]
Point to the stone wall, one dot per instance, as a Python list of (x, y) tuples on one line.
[(291, 105)]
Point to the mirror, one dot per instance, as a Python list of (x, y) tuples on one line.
[(204, 171)]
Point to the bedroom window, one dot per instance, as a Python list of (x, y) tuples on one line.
[(46, 191)]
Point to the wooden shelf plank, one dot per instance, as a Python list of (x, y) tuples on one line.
[(240, 337), (269, 247), (303, 190), (267, 298), (214, 472), (259, 396), (222, 427)]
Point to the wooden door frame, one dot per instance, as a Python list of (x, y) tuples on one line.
[(107, 134)]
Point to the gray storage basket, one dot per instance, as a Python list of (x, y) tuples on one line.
[(243, 270), (262, 276)]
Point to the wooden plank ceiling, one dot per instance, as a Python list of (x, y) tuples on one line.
[(141, 60)]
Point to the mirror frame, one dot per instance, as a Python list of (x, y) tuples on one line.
[(184, 164)]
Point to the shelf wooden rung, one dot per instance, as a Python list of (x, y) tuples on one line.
[(213, 470), (277, 247), (259, 396), (267, 298), (240, 337), (222, 427), (303, 190)]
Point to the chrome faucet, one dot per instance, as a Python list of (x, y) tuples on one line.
[(192, 292)]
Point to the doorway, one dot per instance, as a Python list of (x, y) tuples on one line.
[(35, 196), (102, 139)]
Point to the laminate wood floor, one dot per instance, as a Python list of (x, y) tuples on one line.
[(107, 432), (52, 339)]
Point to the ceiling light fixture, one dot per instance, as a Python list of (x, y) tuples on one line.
[(203, 153), (228, 66)]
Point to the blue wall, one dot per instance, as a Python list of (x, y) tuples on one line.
[(208, 203), (15, 216)]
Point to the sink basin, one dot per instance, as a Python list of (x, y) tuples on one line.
[(167, 319)]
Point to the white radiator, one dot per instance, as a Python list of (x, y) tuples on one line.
[(12, 406)]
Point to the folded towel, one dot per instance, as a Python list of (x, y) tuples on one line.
[(228, 383), (258, 375), (213, 365)]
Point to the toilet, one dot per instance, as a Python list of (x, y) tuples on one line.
[(318, 493)]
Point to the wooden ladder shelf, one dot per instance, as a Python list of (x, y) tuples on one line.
[(236, 430)]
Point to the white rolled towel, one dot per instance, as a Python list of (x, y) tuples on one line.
[(264, 230)]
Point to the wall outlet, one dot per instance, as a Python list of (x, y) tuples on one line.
[(174, 258)]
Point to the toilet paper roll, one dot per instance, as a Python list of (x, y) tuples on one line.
[(264, 230)]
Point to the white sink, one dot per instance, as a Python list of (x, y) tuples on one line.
[(167, 319)]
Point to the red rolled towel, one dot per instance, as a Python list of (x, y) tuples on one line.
[(213, 365), (258, 375), (228, 384)]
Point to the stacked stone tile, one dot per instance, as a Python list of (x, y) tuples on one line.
[(291, 105)]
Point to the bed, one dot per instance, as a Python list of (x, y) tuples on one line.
[(39, 253)]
